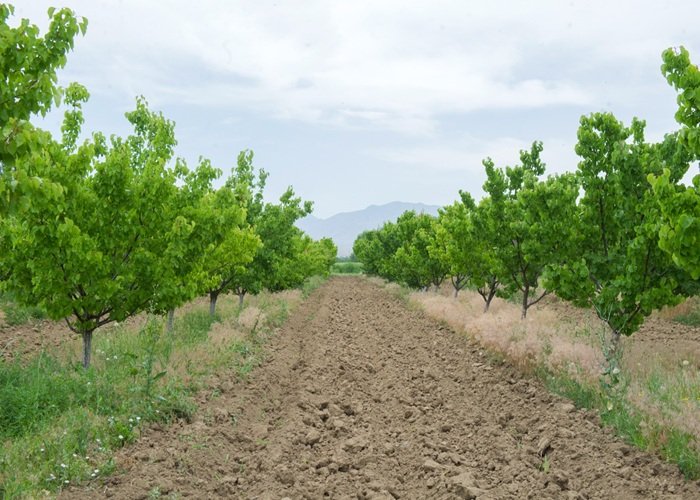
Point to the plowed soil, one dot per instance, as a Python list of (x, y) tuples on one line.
[(361, 397)]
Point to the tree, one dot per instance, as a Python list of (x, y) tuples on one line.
[(28, 65), (620, 270), (234, 242), (680, 205), (87, 237), (531, 220), (412, 263), (315, 258), (368, 249), (183, 263), (274, 261), (454, 245), (484, 265)]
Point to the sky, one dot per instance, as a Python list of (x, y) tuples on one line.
[(359, 102)]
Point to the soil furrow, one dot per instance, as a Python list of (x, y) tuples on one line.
[(362, 397)]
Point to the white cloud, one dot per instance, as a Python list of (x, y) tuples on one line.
[(400, 81), (392, 65)]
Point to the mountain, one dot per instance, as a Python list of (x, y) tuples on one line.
[(346, 226)]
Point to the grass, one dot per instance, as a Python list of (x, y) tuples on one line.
[(16, 314), (634, 426), (690, 312), (60, 424)]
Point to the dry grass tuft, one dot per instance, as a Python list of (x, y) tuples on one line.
[(542, 337), (250, 318)]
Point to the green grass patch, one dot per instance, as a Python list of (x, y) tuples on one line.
[(632, 425), (311, 284), (16, 314), (61, 424), (690, 319), (690, 314)]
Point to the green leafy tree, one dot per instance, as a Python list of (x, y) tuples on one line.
[(620, 270), (454, 244), (87, 237), (680, 205), (233, 239), (532, 219), (28, 65), (368, 248), (274, 261), (413, 264), (183, 264), (484, 265), (278, 262), (316, 257)]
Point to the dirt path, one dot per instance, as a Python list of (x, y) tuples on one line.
[(361, 397)]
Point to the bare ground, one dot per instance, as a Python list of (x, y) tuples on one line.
[(361, 397)]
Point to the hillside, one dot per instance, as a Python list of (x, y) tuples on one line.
[(345, 227)]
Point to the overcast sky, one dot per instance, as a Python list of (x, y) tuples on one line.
[(366, 102)]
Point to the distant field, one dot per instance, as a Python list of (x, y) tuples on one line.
[(347, 267)]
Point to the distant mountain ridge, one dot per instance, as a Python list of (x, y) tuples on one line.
[(346, 226)]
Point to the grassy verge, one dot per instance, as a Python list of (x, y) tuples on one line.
[(60, 424), (633, 425)]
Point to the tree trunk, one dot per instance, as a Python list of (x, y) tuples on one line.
[(87, 348), (241, 296), (456, 293), (614, 343), (213, 296), (171, 321), (526, 294), (487, 301)]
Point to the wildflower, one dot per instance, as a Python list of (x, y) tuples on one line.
[(66, 481), (96, 471), (121, 437), (63, 466), (686, 362), (131, 420), (616, 371), (42, 450)]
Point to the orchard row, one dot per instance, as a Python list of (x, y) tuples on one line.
[(621, 234), (99, 230)]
